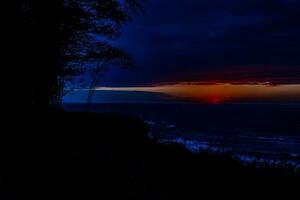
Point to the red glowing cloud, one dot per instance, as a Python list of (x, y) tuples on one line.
[(268, 75), (222, 93)]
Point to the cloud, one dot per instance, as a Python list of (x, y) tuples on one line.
[(209, 40)]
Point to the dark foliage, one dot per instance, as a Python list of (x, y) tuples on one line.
[(57, 38), (106, 156)]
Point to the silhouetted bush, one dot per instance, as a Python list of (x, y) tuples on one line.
[(105, 156)]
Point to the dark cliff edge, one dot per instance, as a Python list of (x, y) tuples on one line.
[(105, 156)]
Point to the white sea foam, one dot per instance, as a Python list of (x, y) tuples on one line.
[(246, 157)]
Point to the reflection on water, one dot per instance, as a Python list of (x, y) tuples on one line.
[(253, 133)]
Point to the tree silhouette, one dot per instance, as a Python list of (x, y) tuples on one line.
[(60, 39), (104, 58)]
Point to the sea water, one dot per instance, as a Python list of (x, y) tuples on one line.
[(250, 132)]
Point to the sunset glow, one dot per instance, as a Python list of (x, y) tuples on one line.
[(220, 93)]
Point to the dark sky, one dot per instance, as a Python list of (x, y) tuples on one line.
[(211, 41)]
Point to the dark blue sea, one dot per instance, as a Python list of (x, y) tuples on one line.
[(251, 132)]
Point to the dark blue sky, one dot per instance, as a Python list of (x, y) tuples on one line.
[(212, 41)]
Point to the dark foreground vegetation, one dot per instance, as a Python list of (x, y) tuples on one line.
[(102, 156)]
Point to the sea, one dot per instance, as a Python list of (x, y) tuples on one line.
[(254, 133)]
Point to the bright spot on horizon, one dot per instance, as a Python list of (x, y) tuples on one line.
[(220, 93)]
